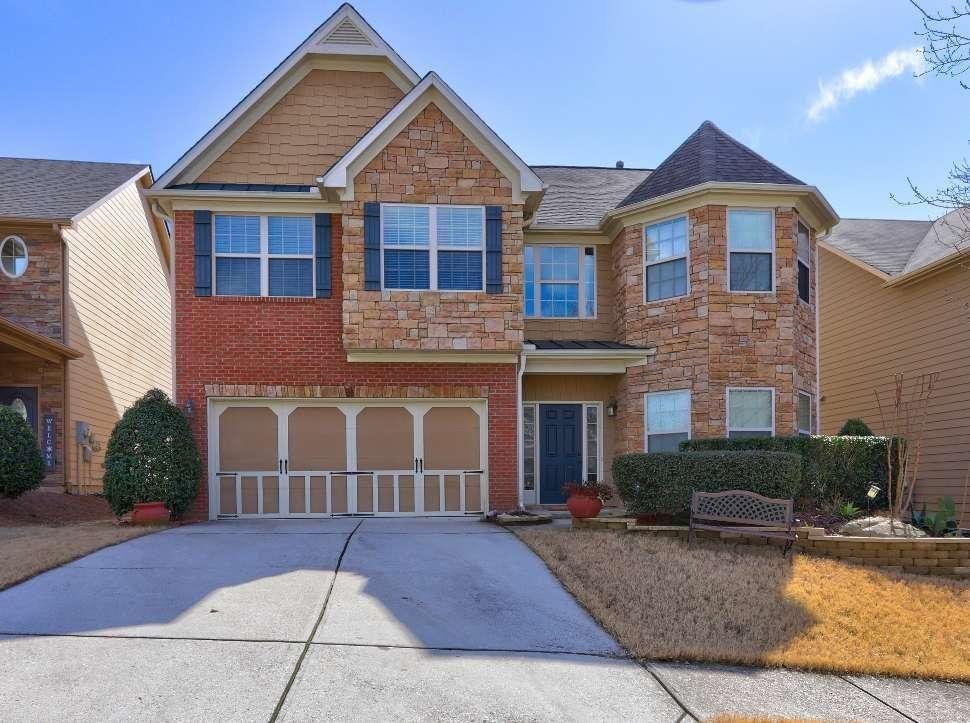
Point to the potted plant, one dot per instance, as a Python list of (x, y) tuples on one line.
[(585, 499)]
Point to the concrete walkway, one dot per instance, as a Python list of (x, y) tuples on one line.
[(414, 619)]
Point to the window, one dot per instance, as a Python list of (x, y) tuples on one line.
[(803, 251), (751, 412), (804, 414), (560, 281), (751, 250), (665, 256), (263, 255), (13, 256), (529, 446), (433, 247), (592, 443), (667, 420)]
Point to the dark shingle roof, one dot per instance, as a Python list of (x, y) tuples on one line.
[(32, 188), (884, 244), (267, 187), (709, 154), (571, 345), (579, 196)]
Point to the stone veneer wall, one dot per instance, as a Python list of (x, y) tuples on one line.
[(712, 339), (432, 161)]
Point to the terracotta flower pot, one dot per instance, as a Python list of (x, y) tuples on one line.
[(150, 513), (582, 506)]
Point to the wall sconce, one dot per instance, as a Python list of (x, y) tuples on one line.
[(190, 408), (611, 408)]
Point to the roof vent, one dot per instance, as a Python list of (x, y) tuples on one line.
[(619, 164), (347, 34)]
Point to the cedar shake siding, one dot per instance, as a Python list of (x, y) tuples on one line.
[(870, 332)]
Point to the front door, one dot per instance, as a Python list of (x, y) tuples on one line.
[(560, 454), (22, 400)]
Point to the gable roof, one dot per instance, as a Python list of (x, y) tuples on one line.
[(50, 190), (345, 33), (578, 196), (431, 89), (708, 155)]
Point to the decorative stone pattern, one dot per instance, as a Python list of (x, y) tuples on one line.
[(432, 161), (308, 130), (35, 300), (712, 339)]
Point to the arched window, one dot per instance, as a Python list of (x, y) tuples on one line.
[(13, 256)]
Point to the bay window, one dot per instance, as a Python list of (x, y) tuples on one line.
[(665, 258), (751, 412), (560, 281), (666, 420), (263, 255), (751, 250)]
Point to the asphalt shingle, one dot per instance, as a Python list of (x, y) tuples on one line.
[(884, 244), (578, 197)]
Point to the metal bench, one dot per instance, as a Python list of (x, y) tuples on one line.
[(743, 512)]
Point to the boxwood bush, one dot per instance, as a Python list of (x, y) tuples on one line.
[(832, 467), (151, 457), (663, 482), (21, 466)]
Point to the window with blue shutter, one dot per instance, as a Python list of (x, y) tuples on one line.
[(203, 252), (324, 254)]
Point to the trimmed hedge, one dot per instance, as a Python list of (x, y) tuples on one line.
[(855, 428), (151, 457), (832, 467), (663, 482), (21, 466)]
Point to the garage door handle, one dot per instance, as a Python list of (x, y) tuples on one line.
[(415, 465), (281, 466), (286, 466)]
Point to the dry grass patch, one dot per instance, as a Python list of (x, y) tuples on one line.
[(28, 550), (750, 606)]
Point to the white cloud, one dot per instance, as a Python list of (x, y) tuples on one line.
[(865, 77)]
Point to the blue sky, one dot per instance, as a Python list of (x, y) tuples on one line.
[(562, 82)]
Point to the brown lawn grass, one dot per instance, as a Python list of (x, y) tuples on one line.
[(749, 606), (27, 550)]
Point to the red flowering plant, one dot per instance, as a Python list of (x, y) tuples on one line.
[(590, 489)]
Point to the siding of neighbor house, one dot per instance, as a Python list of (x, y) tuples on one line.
[(869, 333), (118, 308)]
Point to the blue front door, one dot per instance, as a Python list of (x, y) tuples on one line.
[(560, 453)]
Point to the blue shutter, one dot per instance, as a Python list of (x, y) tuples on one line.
[(203, 253), (372, 246), (323, 254), (493, 249)]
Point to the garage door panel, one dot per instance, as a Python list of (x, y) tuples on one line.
[(365, 493), (317, 439), (250, 495), (338, 494), (406, 493), (473, 493), (271, 495), (432, 493), (227, 494), (452, 493), (385, 439), (248, 440), (298, 495), (452, 439)]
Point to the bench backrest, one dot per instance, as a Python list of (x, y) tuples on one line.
[(741, 507)]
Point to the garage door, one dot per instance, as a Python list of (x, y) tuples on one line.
[(310, 459)]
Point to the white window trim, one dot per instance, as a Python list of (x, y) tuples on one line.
[(807, 263), (15, 240), (582, 441), (535, 448), (432, 248), (598, 406), (727, 410), (537, 305), (811, 412), (264, 255), (774, 249), (646, 417), (686, 258)]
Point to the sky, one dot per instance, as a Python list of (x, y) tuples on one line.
[(824, 89)]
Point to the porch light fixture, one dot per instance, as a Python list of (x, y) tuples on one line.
[(611, 408), (190, 408)]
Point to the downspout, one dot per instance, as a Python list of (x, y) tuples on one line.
[(65, 366), (818, 344), (168, 221)]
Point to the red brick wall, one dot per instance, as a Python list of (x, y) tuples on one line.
[(297, 342)]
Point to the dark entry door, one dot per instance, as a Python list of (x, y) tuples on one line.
[(560, 453), (23, 400)]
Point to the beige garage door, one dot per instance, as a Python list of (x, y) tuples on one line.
[(298, 458)]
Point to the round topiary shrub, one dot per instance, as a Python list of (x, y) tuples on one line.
[(151, 457), (855, 428), (21, 466)]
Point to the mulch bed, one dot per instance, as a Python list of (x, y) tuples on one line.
[(52, 507)]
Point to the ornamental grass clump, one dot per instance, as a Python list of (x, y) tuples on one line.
[(21, 466)]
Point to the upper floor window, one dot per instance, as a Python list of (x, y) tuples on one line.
[(803, 251), (433, 247), (751, 250), (751, 412), (263, 255), (665, 255), (560, 281), (13, 256), (667, 417)]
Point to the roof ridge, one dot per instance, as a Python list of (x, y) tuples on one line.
[(73, 160), (873, 218), (599, 168)]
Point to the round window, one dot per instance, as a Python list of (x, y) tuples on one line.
[(13, 256)]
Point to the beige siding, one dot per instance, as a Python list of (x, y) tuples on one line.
[(119, 315), (869, 333)]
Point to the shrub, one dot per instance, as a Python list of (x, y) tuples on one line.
[(855, 428), (832, 467), (21, 466), (151, 456), (663, 482)]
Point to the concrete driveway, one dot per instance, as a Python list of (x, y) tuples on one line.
[(414, 619)]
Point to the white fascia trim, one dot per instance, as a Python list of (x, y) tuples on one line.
[(585, 361), (338, 177), (313, 45), (313, 195)]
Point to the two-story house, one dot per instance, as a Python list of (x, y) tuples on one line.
[(380, 308)]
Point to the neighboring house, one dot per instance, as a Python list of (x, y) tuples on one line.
[(895, 298), (85, 305), (380, 308)]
